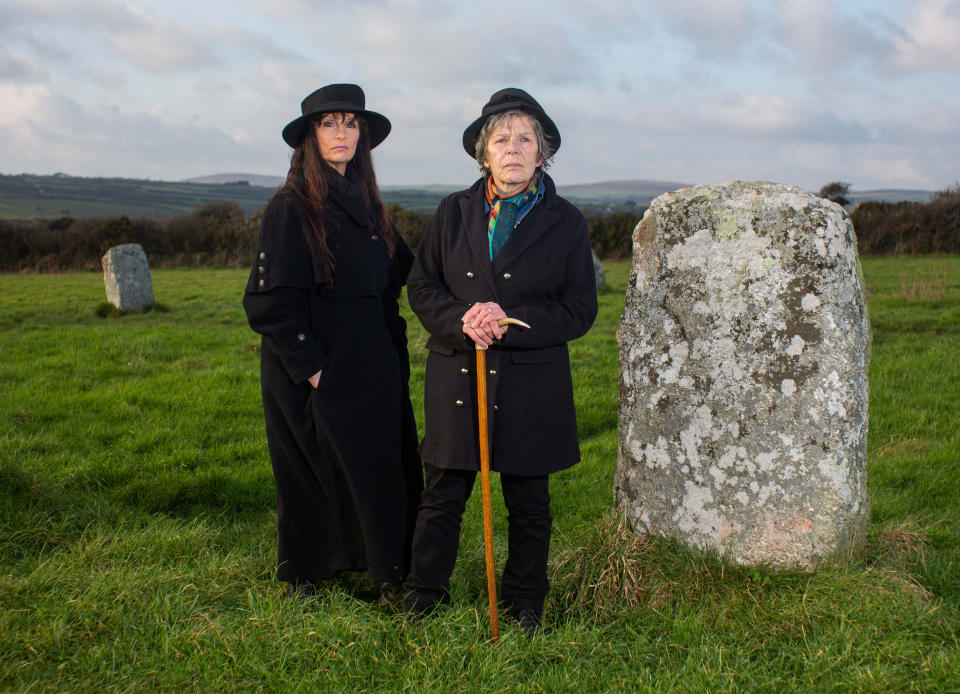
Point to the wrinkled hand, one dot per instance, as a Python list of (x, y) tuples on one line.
[(480, 323)]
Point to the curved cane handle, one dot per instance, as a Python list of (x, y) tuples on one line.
[(505, 321), (512, 321)]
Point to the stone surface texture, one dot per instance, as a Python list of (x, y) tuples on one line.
[(126, 277), (598, 273), (744, 347)]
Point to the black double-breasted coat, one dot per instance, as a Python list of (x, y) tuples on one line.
[(344, 455), (543, 275)]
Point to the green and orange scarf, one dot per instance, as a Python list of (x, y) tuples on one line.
[(514, 207)]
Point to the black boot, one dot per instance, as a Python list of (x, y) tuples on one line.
[(528, 619), (390, 594)]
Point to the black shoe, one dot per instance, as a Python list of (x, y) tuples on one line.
[(306, 589), (418, 605), (390, 594), (528, 619)]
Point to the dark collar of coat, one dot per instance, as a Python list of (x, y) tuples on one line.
[(534, 225), (347, 194)]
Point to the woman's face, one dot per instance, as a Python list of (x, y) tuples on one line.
[(337, 136), (512, 154)]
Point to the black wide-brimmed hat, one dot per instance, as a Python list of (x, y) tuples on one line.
[(510, 99), (337, 98)]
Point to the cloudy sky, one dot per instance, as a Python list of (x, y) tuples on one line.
[(695, 91)]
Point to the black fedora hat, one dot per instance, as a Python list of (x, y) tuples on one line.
[(337, 98), (510, 99)]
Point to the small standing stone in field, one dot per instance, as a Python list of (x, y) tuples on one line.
[(744, 347), (598, 273), (126, 277)]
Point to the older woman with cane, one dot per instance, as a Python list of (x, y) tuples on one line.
[(506, 246), (334, 369)]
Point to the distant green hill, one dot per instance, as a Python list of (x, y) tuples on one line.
[(889, 195), (59, 195), (28, 195)]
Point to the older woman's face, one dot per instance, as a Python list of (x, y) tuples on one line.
[(337, 137), (512, 154)]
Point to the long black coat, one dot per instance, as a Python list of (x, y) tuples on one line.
[(344, 456), (543, 275)]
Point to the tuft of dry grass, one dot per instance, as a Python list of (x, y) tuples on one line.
[(613, 571), (903, 543), (930, 287)]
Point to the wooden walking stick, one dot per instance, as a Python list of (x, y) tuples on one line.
[(485, 479)]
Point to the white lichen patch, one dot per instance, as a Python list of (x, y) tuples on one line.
[(810, 302), (676, 356), (656, 455), (831, 395), (696, 513), (795, 348), (788, 386), (699, 429), (765, 461), (838, 475)]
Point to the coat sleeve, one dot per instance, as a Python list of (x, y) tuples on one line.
[(570, 314), (403, 257), (438, 309), (277, 297)]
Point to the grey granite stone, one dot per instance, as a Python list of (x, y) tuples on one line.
[(599, 275), (126, 277)]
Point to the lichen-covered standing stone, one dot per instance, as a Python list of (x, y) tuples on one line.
[(126, 277), (598, 274), (744, 347)]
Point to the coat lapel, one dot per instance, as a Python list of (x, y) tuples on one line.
[(537, 223), (475, 221)]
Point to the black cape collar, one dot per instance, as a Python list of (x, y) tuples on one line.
[(348, 194)]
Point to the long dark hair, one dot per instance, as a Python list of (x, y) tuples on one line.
[(307, 179)]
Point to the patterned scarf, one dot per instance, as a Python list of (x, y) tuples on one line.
[(519, 202)]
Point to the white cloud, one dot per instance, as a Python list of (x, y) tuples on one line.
[(932, 37), (721, 27), (157, 44), (16, 68), (767, 115), (800, 91), (828, 39), (18, 103), (102, 15)]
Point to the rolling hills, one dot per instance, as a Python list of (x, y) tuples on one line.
[(60, 195)]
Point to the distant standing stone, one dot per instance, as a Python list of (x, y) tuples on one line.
[(126, 277), (598, 272), (744, 347)]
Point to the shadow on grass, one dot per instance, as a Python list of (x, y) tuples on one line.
[(189, 493), (35, 518), (107, 310)]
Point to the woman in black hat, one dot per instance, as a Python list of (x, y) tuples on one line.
[(508, 245), (334, 369)]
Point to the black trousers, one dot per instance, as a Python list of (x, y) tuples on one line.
[(436, 538)]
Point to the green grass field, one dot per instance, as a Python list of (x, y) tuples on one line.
[(137, 529)]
